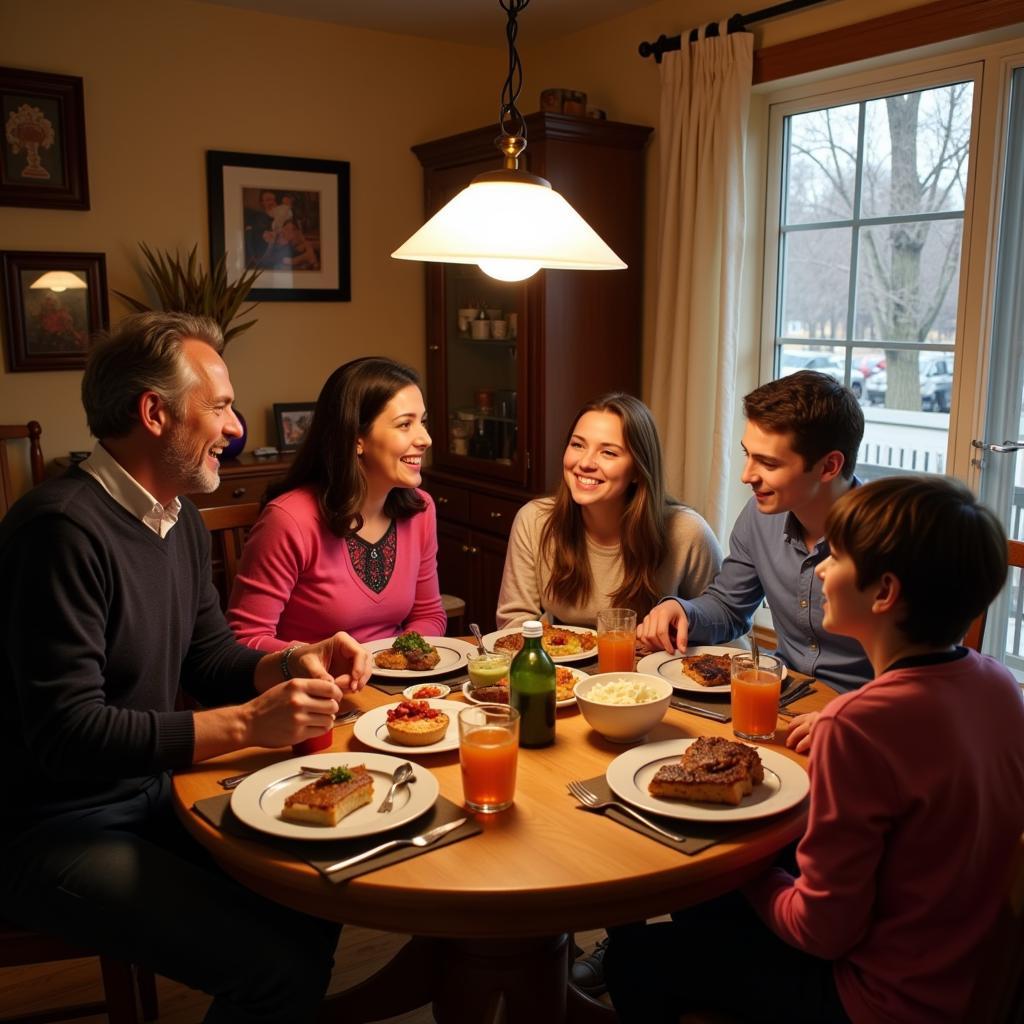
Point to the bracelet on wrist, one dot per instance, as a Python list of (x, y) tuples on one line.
[(286, 672)]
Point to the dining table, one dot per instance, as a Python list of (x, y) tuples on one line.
[(492, 916)]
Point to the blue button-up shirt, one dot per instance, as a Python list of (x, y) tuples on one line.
[(768, 559)]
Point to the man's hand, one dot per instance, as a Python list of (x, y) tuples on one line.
[(799, 735), (665, 628), (338, 658)]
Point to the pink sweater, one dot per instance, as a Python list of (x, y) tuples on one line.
[(917, 803), (296, 582)]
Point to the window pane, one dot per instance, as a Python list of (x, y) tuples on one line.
[(816, 284), (915, 151), (912, 381), (825, 360), (907, 282), (821, 165)]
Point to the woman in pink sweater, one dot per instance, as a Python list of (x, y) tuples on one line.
[(347, 540), (917, 799)]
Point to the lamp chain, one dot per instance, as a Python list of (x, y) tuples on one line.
[(514, 82)]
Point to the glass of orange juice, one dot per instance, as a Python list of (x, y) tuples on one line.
[(488, 748), (755, 695), (616, 639)]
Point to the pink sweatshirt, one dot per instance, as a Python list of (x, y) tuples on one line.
[(296, 582), (917, 804)]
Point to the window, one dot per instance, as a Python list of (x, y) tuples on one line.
[(865, 237)]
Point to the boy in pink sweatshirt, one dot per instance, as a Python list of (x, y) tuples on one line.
[(916, 803)]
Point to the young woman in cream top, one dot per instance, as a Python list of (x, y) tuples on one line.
[(609, 537)]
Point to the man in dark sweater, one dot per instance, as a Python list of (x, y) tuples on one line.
[(107, 608)]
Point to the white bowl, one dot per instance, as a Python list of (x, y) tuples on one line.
[(624, 723), (408, 692)]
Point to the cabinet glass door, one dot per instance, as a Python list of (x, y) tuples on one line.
[(482, 324)]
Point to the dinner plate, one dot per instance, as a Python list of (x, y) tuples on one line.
[(371, 728), (259, 799), (467, 690), (451, 651), (785, 785), (559, 659), (670, 667)]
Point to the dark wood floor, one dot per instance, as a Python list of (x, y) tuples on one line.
[(32, 989)]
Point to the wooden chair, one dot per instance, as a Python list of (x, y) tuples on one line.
[(228, 526), (31, 432), (126, 988), (1015, 559)]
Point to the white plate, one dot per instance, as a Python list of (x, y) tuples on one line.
[(467, 691), (372, 729), (670, 667), (259, 799), (409, 691), (785, 785), (452, 651), (561, 659)]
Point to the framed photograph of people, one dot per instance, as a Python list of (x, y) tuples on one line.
[(43, 161), (54, 302), (292, 420), (288, 216)]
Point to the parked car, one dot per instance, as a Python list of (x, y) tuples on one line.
[(935, 374), (823, 362)]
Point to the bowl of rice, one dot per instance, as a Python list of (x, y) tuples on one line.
[(623, 706)]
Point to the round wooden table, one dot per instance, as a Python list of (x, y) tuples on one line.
[(503, 902)]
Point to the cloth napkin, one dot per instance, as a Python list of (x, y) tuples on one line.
[(698, 835), (217, 811)]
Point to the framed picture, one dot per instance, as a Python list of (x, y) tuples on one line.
[(293, 420), (286, 215), (43, 162), (54, 302)]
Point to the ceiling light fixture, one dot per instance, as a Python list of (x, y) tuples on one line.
[(510, 222), (58, 281)]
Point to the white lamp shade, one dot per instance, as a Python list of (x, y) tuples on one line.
[(59, 281), (511, 229)]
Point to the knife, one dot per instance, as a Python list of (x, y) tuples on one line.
[(692, 709), (797, 693), (422, 840)]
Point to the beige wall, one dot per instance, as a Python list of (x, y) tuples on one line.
[(164, 82)]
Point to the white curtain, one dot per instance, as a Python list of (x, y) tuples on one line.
[(705, 97)]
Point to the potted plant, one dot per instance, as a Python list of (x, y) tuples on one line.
[(184, 286)]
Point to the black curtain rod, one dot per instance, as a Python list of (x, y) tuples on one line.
[(737, 23)]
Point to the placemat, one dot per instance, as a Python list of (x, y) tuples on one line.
[(696, 835), (722, 704), (217, 811)]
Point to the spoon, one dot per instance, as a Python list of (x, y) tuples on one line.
[(475, 630), (403, 774)]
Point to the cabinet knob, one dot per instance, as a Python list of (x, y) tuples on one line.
[(433, 348), (466, 549), (495, 515), (238, 492), (441, 500)]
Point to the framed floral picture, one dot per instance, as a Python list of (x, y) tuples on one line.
[(43, 161), (288, 216), (292, 420), (54, 302)]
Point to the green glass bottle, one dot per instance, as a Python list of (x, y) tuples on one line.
[(532, 689)]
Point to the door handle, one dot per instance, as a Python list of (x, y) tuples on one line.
[(1007, 447)]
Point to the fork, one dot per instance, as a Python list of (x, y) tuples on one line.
[(591, 802)]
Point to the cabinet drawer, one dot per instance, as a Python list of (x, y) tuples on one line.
[(494, 515), (234, 490), (452, 502)]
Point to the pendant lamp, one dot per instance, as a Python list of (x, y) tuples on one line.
[(510, 222)]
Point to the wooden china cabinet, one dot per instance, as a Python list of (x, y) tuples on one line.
[(502, 392)]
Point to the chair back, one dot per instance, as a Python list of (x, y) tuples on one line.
[(228, 526), (1015, 559), (999, 988), (31, 432)]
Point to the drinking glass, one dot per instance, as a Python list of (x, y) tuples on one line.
[(488, 669), (488, 748), (755, 695), (616, 639)]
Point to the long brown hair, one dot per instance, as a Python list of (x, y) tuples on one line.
[(644, 534), (353, 397)]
